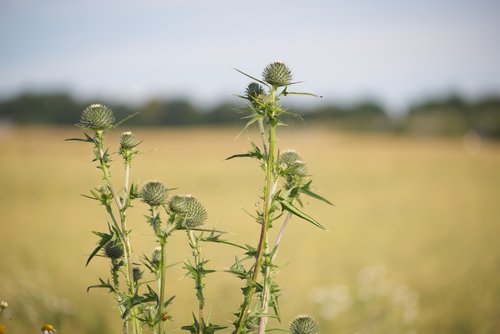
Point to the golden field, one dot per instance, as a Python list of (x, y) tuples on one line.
[(412, 243)]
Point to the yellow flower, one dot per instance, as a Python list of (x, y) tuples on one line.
[(3, 329), (48, 329)]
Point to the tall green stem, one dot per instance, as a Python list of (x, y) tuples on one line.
[(199, 280), (269, 182), (162, 283), (122, 209)]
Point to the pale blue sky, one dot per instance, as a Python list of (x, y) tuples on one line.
[(396, 51)]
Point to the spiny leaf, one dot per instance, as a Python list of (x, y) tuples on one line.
[(306, 189), (126, 119), (290, 208), (253, 78), (103, 284), (104, 240)]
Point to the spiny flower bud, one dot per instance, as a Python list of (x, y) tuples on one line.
[(3, 304), (254, 91), (97, 117), (136, 273), (289, 157), (177, 204), (156, 256), (189, 210), (292, 162), (127, 141), (113, 249), (154, 193), (277, 74), (304, 324)]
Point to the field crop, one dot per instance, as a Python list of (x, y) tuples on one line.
[(412, 244)]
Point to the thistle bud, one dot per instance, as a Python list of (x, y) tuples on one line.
[(137, 273), (156, 256), (304, 324), (3, 305), (277, 74), (189, 211), (177, 204), (97, 117), (113, 249), (154, 193), (127, 141), (289, 157), (291, 161), (254, 91)]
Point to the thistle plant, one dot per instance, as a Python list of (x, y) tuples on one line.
[(285, 181), (141, 303), (139, 284)]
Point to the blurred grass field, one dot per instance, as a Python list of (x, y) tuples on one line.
[(413, 242)]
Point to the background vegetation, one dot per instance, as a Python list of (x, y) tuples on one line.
[(449, 115), (412, 246)]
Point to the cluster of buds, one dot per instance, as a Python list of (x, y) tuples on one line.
[(188, 211)]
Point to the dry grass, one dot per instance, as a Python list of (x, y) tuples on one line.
[(424, 211)]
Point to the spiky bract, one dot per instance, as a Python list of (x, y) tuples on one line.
[(277, 74), (154, 193), (188, 211), (304, 324), (97, 117), (113, 249)]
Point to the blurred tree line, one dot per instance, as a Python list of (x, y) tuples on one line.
[(451, 115)]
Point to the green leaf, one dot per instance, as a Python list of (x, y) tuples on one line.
[(290, 208), (105, 285), (126, 119), (285, 92), (253, 78), (306, 189), (105, 238)]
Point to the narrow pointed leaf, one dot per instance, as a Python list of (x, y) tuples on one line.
[(251, 77), (126, 119), (309, 193), (290, 208)]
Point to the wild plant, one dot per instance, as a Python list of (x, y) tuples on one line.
[(140, 303), (286, 179), (142, 300)]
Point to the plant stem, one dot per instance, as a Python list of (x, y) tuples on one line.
[(122, 209), (199, 279), (267, 278), (162, 283), (269, 182)]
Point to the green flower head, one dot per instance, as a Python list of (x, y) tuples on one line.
[(97, 117), (291, 161), (113, 250), (127, 141), (254, 91), (154, 193), (156, 256), (304, 324), (277, 74), (137, 273)]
